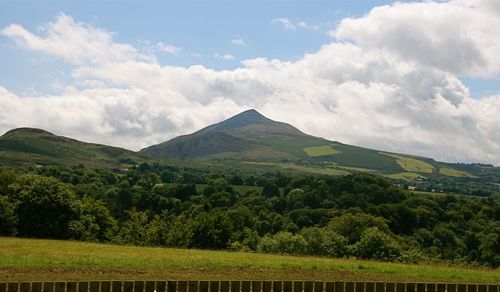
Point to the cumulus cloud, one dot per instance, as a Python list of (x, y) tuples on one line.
[(456, 36), (368, 91), (75, 42)]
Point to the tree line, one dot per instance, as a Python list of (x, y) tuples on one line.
[(360, 215)]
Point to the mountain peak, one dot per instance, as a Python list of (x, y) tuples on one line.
[(251, 113), (243, 119)]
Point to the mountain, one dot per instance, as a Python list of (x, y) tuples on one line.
[(36, 146), (246, 135), (250, 139)]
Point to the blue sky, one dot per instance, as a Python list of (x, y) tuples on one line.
[(418, 77), (200, 29)]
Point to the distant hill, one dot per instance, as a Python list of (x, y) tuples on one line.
[(36, 146), (248, 141), (251, 139)]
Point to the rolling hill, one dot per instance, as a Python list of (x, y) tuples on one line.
[(36, 146), (248, 141), (250, 138)]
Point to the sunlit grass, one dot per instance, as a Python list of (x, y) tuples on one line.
[(23, 258)]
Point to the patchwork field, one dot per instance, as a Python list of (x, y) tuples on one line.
[(405, 176), (302, 168), (453, 172), (411, 164), (29, 259), (317, 151)]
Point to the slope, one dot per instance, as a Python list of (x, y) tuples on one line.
[(35, 146), (250, 139)]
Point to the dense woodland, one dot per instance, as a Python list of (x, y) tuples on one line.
[(360, 215)]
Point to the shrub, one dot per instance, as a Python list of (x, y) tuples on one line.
[(374, 244)]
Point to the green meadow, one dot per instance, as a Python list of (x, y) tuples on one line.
[(34, 259)]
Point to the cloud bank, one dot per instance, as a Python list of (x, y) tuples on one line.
[(388, 80)]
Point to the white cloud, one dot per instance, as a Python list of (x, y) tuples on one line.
[(306, 25), (451, 36), (292, 25), (226, 57), (75, 42), (166, 48), (238, 41), (287, 23), (366, 92)]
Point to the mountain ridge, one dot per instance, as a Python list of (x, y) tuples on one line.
[(248, 140), (38, 146)]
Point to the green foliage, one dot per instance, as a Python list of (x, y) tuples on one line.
[(8, 218), (7, 177), (375, 244), (270, 190), (211, 230), (283, 242), (357, 215), (28, 146), (324, 242), (351, 226), (135, 229), (95, 223), (44, 206)]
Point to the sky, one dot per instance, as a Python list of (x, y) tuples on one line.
[(412, 77)]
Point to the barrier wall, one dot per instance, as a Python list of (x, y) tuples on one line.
[(241, 286)]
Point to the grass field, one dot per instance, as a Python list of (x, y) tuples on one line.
[(405, 176), (302, 168), (317, 151), (453, 172), (28, 259), (411, 164)]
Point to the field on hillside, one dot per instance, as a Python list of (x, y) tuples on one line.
[(411, 164), (301, 168), (453, 172), (316, 151), (28, 259)]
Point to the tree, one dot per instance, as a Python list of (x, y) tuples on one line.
[(167, 176), (270, 190), (375, 244), (7, 177), (351, 226), (44, 205), (95, 222), (8, 218), (283, 242), (134, 229), (211, 230)]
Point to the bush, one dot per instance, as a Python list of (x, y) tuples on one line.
[(211, 230), (324, 242), (8, 218), (45, 206), (351, 226), (374, 244), (283, 243)]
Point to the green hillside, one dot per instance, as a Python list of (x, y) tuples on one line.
[(249, 139), (34, 146), (245, 142)]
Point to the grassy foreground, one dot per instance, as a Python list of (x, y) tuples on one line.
[(28, 259)]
